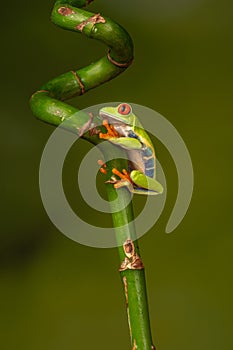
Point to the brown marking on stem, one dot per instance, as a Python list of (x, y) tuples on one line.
[(86, 126), (126, 291), (38, 92), (132, 260), (93, 19), (127, 303), (94, 131), (65, 11), (153, 347), (134, 345), (82, 87), (88, 2), (118, 64), (129, 249)]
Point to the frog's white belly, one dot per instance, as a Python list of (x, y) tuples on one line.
[(142, 160), (136, 160)]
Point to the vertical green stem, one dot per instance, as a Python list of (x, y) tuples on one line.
[(133, 279), (134, 282)]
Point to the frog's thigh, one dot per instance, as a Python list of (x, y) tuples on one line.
[(126, 142), (141, 180)]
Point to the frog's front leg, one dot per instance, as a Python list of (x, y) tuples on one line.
[(113, 137), (126, 142), (111, 132)]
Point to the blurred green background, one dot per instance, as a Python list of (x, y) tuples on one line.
[(57, 294)]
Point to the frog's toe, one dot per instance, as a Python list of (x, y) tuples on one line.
[(123, 183), (124, 175), (103, 166)]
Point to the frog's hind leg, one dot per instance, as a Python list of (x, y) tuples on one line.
[(125, 180), (124, 175), (124, 183), (145, 184)]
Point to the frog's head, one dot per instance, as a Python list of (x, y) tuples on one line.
[(120, 114)]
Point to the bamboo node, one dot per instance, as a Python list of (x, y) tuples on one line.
[(118, 64), (132, 260), (86, 126), (38, 92), (93, 19), (82, 87), (134, 345), (94, 131)]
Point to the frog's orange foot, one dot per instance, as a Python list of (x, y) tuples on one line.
[(124, 181), (103, 166), (124, 176), (118, 183), (111, 132)]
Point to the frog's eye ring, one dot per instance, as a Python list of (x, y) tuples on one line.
[(124, 109)]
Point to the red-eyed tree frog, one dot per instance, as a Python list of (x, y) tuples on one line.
[(124, 130)]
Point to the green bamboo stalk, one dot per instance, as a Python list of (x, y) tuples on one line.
[(47, 105), (133, 280)]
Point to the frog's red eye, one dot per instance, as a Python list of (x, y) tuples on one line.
[(124, 109)]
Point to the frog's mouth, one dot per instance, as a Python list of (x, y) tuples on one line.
[(111, 120)]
